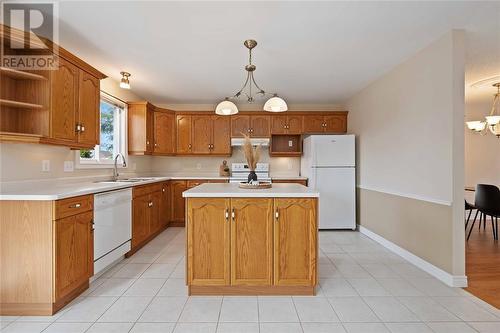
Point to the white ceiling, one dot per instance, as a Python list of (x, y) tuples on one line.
[(308, 52)]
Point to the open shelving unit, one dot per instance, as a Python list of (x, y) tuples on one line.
[(286, 145), (24, 104)]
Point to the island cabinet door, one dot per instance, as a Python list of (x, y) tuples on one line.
[(295, 242), (208, 241), (251, 241)]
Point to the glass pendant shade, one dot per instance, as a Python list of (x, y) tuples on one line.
[(492, 120), (275, 104), (226, 108)]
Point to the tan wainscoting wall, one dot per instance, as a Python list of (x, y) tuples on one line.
[(421, 227)]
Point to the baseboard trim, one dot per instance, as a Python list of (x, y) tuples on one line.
[(438, 273)]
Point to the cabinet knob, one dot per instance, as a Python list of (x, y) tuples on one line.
[(156, 145), (277, 215), (163, 190), (82, 128), (78, 128), (226, 215), (150, 204), (190, 146), (233, 215)]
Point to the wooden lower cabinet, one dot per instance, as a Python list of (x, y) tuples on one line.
[(146, 213), (207, 239), (290, 181), (251, 242), (46, 254), (74, 257), (178, 202), (295, 242), (165, 204), (251, 246)]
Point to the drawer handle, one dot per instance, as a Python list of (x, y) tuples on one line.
[(77, 205)]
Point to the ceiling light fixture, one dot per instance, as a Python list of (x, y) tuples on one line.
[(273, 104), (124, 82), (492, 121)]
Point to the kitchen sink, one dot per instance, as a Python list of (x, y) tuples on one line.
[(124, 180)]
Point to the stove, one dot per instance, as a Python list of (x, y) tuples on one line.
[(240, 171)]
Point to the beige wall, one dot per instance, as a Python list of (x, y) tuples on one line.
[(409, 127), (24, 161)]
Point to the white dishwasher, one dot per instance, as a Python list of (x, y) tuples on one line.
[(112, 227)]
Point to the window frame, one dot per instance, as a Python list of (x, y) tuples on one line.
[(122, 138)]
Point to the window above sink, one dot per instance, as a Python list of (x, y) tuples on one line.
[(113, 136)]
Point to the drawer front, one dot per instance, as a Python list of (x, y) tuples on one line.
[(145, 189), (196, 182), (72, 206)]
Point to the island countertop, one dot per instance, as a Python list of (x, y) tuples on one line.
[(231, 190)]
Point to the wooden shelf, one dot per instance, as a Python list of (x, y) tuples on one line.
[(16, 74), (280, 145), (21, 105)]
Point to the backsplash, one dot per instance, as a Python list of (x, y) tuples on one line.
[(24, 162), (196, 165)]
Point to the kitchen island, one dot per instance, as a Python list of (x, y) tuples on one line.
[(251, 242)]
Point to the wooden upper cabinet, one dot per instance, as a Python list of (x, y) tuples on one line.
[(221, 135), (336, 124), (252, 241), (140, 128), (295, 252), (286, 124), (208, 241), (164, 133), (64, 102), (88, 110), (326, 123), (313, 124), (240, 125), (73, 241), (202, 132), (260, 126), (183, 125)]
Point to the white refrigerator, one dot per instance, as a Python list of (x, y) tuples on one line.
[(329, 163)]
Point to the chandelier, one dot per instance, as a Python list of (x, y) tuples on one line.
[(492, 121), (251, 89)]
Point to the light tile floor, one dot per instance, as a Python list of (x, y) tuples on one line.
[(363, 288)]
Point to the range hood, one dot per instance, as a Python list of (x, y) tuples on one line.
[(255, 142)]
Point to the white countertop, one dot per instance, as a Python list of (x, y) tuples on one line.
[(55, 189), (228, 190)]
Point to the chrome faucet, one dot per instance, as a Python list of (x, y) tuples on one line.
[(115, 170)]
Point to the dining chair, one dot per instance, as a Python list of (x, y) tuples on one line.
[(468, 208), (487, 201)]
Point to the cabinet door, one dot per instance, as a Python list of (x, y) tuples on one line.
[(208, 241), (154, 212), (149, 129), (64, 102), (88, 110), (221, 137), (313, 124), (165, 204), (261, 126), (295, 124), (251, 241), (336, 124), (240, 125), (278, 124), (201, 134), (72, 248), (140, 219), (178, 202), (295, 242), (163, 133), (183, 134)]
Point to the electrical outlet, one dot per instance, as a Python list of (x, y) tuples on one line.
[(290, 143), (198, 166), (45, 165), (69, 166)]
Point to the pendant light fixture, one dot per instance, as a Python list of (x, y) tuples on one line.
[(124, 82), (492, 121), (251, 89)]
